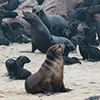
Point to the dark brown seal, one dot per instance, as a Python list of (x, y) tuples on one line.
[(21, 60), (49, 78), (87, 51), (15, 68)]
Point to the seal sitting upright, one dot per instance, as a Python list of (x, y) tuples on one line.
[(49, 78), (41, 37), (51, 21), (87, 51)]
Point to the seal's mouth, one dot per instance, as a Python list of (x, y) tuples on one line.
[(24, 15)]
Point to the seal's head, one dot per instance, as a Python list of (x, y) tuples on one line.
[(11, 65), (22, 60), (30, 17), (38, 11), (83, 41), (55, 51)]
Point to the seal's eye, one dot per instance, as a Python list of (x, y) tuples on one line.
[(34, 10)]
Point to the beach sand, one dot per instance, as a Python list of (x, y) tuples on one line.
[(83, 79)]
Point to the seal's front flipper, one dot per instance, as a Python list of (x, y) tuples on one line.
[(48, 89), (63, 89), (33, 47), (49, 93)]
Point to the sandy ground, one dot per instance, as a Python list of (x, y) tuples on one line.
[(83, 78)]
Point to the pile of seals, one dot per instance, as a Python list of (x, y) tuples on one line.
[(15, 68), (12, 32)]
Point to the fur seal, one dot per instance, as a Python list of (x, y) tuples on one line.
[(93, 98), (69, 61), (41, 37), (3, 39), (51, 21), (14, 35), (21, 60), (87, 51), (49, 78), (90, 35), (15, 25), (8, 14), (11, 5), (15, 71)]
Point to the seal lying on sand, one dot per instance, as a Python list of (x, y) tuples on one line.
[(69, 61), (15, 69), (41, 37), (8, 14), (14, 35), (87, 51), (49, 78), (51, 21), (93, 98)]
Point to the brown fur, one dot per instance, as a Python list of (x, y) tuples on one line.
[(49, 78)]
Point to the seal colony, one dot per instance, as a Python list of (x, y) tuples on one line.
[(49, 78)]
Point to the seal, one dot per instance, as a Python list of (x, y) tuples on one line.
[(3, 39), (11, 5), (70, 61), (51, 21), (93, 98), (41, 37), (15, 71), (87, 51), (49, 78), (90, 35), (8, 14), (21, 60), (14, 35)]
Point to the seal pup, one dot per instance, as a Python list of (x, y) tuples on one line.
[(15, 71), (51, 21), (21, 60), (11, 5), (87, 51), (41, 37), (8, 14), (49, 78), (90, 35), (14, 35), (70, 61), (3, 39), (93, 98)]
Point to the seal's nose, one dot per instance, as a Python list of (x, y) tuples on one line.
[(37, 13)]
